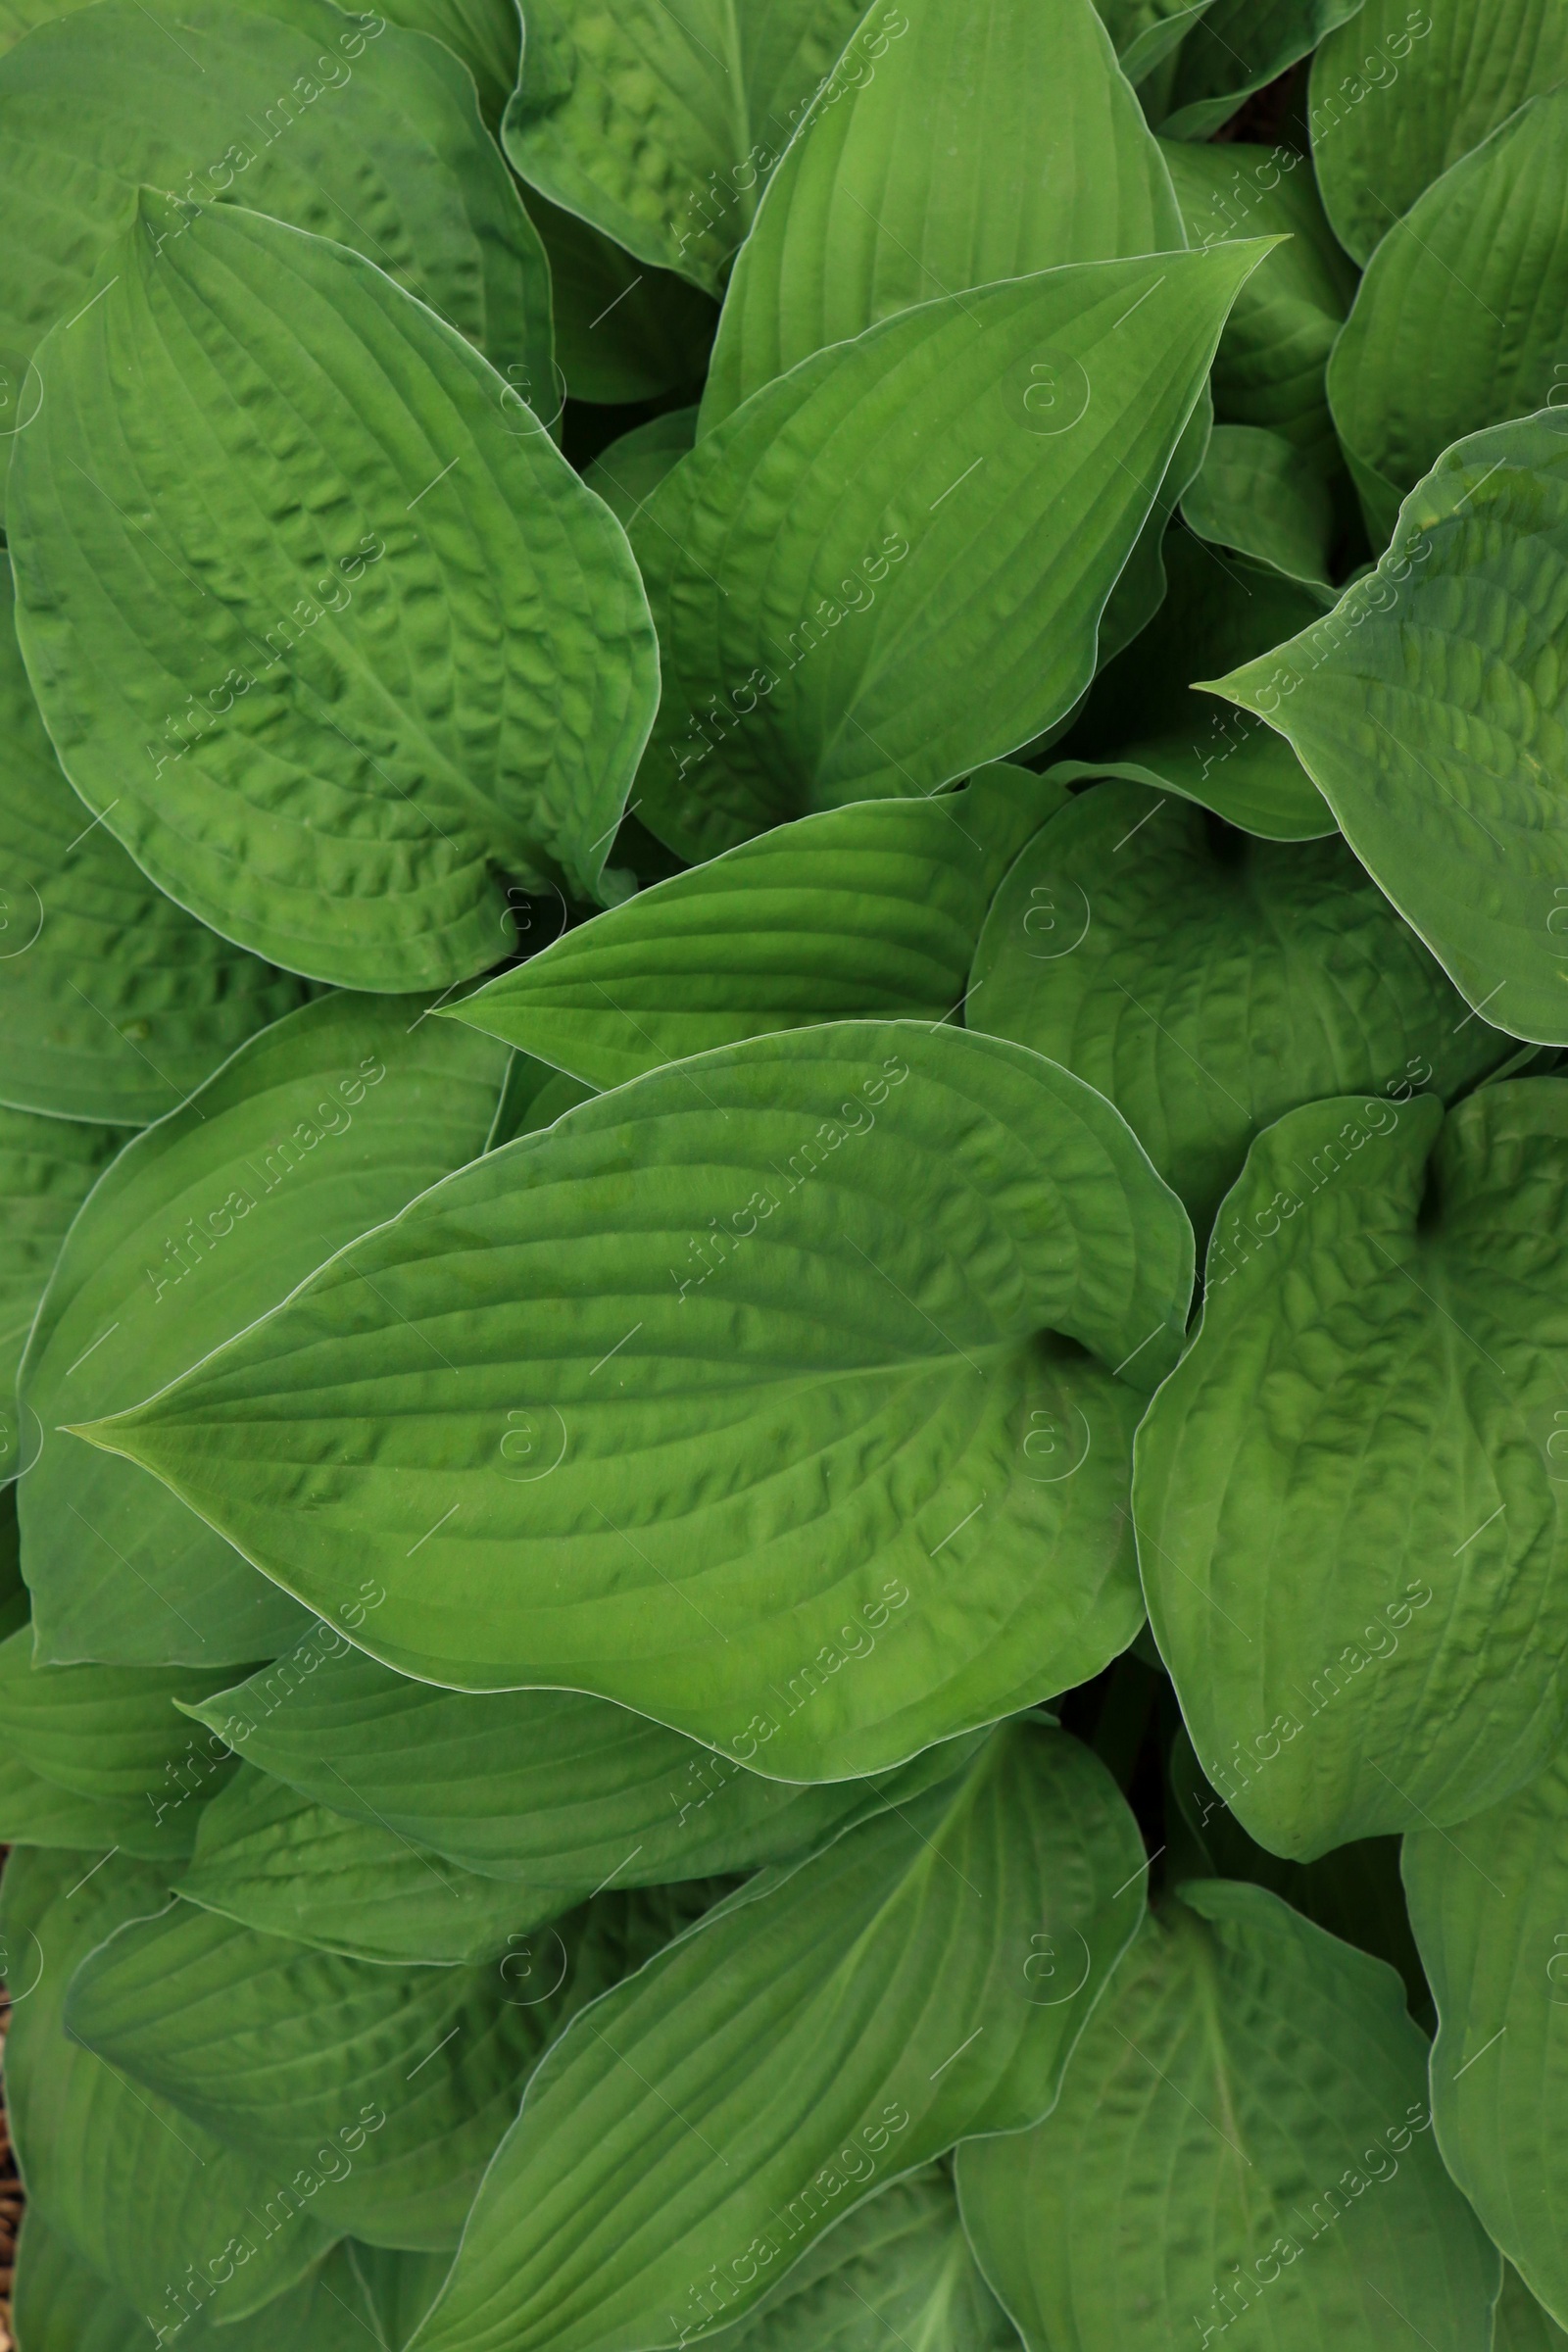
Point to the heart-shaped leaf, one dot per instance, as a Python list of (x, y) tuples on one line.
[(787, 1473), (322, 1125), (1260, 495), (1351, 1537), (433, 669)]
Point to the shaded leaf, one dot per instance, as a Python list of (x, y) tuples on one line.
[(624, 331), (47, 1169), (1521, 2324), (627, 475), (1266, 499), (1236, 47)]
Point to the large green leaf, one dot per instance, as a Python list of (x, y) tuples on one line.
[(1351, 1538), (47, 1169), (400, 2289), (873, 909), (1488, 1901), (322, 1125), (1205, 981), (1234, 48), (37, 1812), (659, 125), (823, 2032), (141, 2192), (1147, 33), (990, 143), (61, 2305), (465, 670), (874, 604), (1401, 92), (627, 475), (114, 1002), (486, 34), (1478, 270), (1143, 720), (362, 132), (1428, 707), (824, 1500), (1260, 495), (547, 1788), (1242, 2128)]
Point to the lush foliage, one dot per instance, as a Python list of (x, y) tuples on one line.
[(784, 1174)]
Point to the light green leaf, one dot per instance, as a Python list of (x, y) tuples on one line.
[(486, 34), (60, 2305), (1235, 48), (322, 1125), (433, 669), (819, 2035), (1144, 721), (1478, 270), (870, 909), (1488, 1901), (1401, 92), (812, 1493), (660, 128), (1146, 32), (890, 566), (114, 1003), (20, 17), (989, 144), (627, 475), (1242, 2128), (1428, 707), (140, 2192), (548, 1788), (37, 1812), (47, 1169), (1266, 500), (533, 1097), (1521, 2324), (1351, 1538), (1205, 982), (1142, 586), (361, 132)]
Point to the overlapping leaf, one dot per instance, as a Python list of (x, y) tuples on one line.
[(1234, 48), (47, 1169), (1266, 499)]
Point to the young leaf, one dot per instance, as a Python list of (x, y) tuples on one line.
[(824, 2032), (989, 144), (1206, 982), (1350, 1534), (1266, 499), (47, 1169), (433, 669), (324, 1124), (870, 909), (820, 1330), (1427, 708), (890, 566), (1242, 2128), (1488, 1900)]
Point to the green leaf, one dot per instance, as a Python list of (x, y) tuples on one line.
[(549, 1788), (1488, 1901), (1147, 33), (322, 1125), (365, 777), (1478, 270), (759, 1459), (36, 1812), (400, 2289), (1142, 586), (47, 1169), (60, 2305), (973, 552), (1205, 982), (1427, 708), (1401, 93), (139, 2191), (623, 331), (899, 2265), (660, 128), (870, 909), (989, 144), (627, 475), (1266, 500), (486, 34), (1521, 2324), (533, 1097), (1236, 47), (822, 2034), (1350, 1535), (1242, 2128), (360, 132), (1144, 721), (114, 1003)]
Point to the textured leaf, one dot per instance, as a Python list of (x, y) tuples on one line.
[(972, 504), (627, 475), (1243, 2125), (870, 909), (1264, 498), (661, 127), (1521, 2324), (324, 1124), (1488, 1901), (817, 2035), (482, 672), (140, 2192), (547, 1788), (989, 144), (1205, 982), (1350, 1535), (47, 1169), (1478, 270), (870, 1408), (1399, 93), (1235, 48), (1428, 707), (1143, 720), (60, 2305), (358, 132), (37, 1812)]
